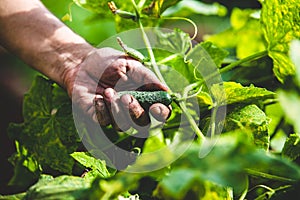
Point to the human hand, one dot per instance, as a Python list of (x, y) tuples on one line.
[(93, 85)]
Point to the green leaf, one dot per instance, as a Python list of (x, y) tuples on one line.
[(62, 187), (184, 182), (204, 99), (19, 196), (97, 166), (294, 54), (281, 25), (183, 71), (236, 93), (188, 7), (176, 42), (290, 103), (229, 158), (112, 188), (291, 148), (244, 34), (38, 102), (48, 131), (202, 60), (170, 52), (26, 168), (154, 142), (252, 118), (216, 53)]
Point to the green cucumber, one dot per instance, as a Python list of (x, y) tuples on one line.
[(147, 98)]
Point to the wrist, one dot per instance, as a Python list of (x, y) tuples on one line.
[(65, 71)]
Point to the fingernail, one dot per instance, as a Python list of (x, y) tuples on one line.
[(109, 93), (156, 110)]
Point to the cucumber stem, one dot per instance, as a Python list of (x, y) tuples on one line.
[(233, 65), (191, 121), (243, 60), (156, 70)]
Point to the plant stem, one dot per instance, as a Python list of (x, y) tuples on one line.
[(234, 65), (192, 122), (181, 104), (244, 193), (269, 176), (249, 58), (156, 70), (151, 54)]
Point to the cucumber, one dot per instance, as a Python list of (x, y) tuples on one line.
[(147, 98)]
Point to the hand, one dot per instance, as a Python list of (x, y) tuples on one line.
[(93, 85)]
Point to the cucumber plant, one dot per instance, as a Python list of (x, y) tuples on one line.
[(242, 164)]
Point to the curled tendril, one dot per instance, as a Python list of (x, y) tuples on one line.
[(185, 19)]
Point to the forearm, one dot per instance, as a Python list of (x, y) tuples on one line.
[(30, 31)]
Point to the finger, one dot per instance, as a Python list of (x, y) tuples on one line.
[(112, 102), (139, 118), (143, 76), (102, 114), (160, 111)]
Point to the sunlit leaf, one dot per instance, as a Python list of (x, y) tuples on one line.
[(236, 93), (204, 98), (176, 41), (183, 183), (97, 167), (252, 118), (281, 25), (230, 157), (62, 187)]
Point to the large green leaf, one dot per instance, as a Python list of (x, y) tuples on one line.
[(177, 41), (97, 167), (231, 157), (62, 187), (281, 25), (236, 93), (185, 183), (170, 50), (48, 131), (252, 118)]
